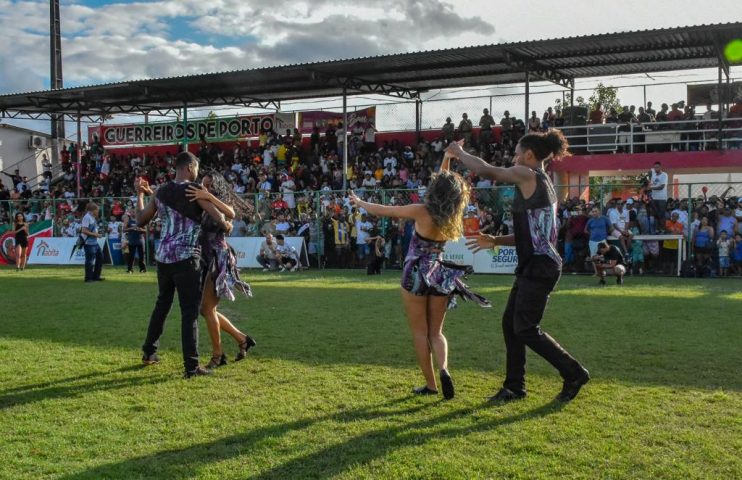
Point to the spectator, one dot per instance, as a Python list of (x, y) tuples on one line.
[(288, 257), (702, 240), (465, 129), (597, 116), (619, 218), (485, 124), (447, 131), (133, 244), (725, 246), (670, 247), (650, 110), (597, 229), (90, 233), (609, 261), (268, 254), (534, 124), (658, 188), (575, 238)]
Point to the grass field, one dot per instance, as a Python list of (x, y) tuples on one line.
[(325, 392)]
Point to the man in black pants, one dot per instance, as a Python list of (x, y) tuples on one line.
[(178, 258), (535, 234)]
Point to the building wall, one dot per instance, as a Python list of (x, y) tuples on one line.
[(14, 148)]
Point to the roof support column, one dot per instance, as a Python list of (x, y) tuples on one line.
[(345, 139), (528, 92), (185, 126), (720, 133), (418, 119), (79, 154)]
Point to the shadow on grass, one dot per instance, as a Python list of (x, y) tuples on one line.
[(71, 387), (651, 339), (327, 462)]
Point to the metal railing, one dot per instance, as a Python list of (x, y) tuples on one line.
[(315, 210)]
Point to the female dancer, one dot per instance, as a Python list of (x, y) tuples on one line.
[(221, 274), (539, 264), (428, 283), (21, 241)]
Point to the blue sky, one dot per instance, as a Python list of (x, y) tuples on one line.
[(117, 40)]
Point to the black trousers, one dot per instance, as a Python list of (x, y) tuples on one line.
[(521, 327), (185, 278), (137, 250)]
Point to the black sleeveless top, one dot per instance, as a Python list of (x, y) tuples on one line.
[(21, 236), (536, 230)]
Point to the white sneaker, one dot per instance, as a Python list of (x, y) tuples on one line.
[(294, 269), (265, 269), (283, 269)]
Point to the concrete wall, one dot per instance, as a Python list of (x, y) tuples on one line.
[(14, 148)]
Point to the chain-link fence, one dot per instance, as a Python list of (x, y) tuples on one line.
[(333, 230)]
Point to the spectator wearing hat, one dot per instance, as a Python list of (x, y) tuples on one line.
[(447, 131), (485, 124)]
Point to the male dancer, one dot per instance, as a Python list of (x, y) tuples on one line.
[(178, 258), (539, 264)]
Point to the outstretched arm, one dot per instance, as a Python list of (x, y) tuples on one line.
[(413, 211), (484, 242), (516, 175), (195, 193), (218, 216)]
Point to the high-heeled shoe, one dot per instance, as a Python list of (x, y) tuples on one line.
[(244, 347), (217, 361)]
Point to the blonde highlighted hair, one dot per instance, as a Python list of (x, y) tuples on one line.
[(446, 199)]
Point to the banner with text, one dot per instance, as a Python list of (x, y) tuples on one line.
[(7, 240), (246, 250), (60, 251), (323, 120), (217, 129), (497, 260)]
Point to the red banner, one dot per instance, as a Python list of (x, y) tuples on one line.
[(7, 240)]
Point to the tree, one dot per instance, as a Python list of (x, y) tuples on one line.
[(605, 96)]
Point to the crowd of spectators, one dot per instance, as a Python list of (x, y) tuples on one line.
[(296, 185)]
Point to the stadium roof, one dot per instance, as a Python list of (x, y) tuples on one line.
[(403, 75)]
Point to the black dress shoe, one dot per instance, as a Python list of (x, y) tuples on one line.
[(150, 359), (507, 395), (572, 387), (198, 372), (446, 384), (424, 391)]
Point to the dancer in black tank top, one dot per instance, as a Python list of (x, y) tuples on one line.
[(539, 264), (21, 241)]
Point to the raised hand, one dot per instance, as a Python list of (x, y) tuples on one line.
[(481, 242), (353, 198), (454, 149), (142, 186)]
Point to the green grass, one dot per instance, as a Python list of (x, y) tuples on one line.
[(325, 393)]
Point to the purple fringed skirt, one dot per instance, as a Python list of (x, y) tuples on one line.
[(425, 273)]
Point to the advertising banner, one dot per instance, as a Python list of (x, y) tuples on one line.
[(59, 251), (703, 94), (117, 253), (36, 230), (497, 260), (246, 250), (220, 129), (284, 121), (323, 120)]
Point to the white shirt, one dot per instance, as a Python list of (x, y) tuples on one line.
[(370, 135), (287, 250), (656, 180), (390, 161), (484, 183), (267, 157), (283, 227), (114, 230), (619, 219), (362, 231), (437, 146), (287, 189)]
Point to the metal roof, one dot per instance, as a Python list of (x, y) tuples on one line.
[(406, 75)]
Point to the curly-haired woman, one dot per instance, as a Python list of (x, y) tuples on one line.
[(428, 283)]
